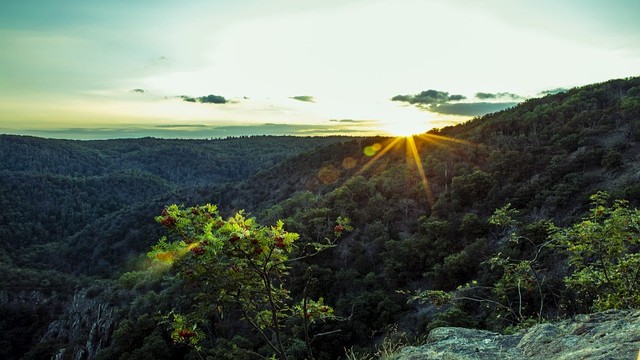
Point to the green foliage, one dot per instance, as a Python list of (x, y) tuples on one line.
[(603, 252), (408, 259), (469, 189), (612, 160), (453, 316), (472, 226), (459, 267), (313, 310), (239, 264), (515, 294), (184, 332), (504, 217), (138, 338), (519, 281), (631, 103), (436, 297)]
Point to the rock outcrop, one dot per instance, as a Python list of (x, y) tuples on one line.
[(611, 334), (86, 327), (27, 298)]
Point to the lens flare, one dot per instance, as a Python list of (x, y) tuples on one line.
[(413, 158), (372, 149)]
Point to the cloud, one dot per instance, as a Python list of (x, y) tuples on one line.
[(209, 99), (305, 98), (428, 97), (187, 98), (180, 126), (352, 121), (212, 99), (470, 109), (553, 91), (500, 96), (441, 102), (456, 97)]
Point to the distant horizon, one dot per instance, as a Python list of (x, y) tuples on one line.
[(72, 69), (203, 134), (190, 138)]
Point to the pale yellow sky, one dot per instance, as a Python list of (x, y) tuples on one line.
[(67, 67)]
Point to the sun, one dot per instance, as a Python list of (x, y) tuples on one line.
[(406, 127)]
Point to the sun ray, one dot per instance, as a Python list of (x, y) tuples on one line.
[(439, 138), (379, 155), (411, 145)]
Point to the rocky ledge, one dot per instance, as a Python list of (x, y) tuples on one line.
[(86, 327), (613, 334)]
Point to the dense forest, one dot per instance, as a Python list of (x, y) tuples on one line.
[(471, 225)]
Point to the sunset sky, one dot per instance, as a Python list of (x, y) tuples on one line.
[(128, 68)]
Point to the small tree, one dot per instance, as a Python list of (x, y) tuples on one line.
[(236, 262), (604, 251), (516, 297)]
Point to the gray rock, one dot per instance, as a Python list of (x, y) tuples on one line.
[(87, 327), (29, 298), (613, 334)]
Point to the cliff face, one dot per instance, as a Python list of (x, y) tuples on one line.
[(612, 334), (86, 327)]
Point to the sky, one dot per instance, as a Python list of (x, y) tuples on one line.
[(194, 69)]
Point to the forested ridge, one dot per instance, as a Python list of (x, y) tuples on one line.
[(76, 208), (80, 215)]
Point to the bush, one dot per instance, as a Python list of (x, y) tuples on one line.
[(603, 251)]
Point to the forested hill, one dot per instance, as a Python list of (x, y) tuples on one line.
[(78, 209), (178, 162), (53, 190)]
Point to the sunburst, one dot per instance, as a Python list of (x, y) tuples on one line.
[(377, 151)]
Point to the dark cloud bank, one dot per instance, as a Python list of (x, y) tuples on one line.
[(304, 98), (208, 99), (428, 97), (553, 91), (352, 121), (498, 96), (442, 103)]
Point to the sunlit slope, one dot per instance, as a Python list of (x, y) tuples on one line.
[(536, 155)]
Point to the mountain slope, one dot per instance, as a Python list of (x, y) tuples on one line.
[(77, 211), (54, 188), (544, 157)]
